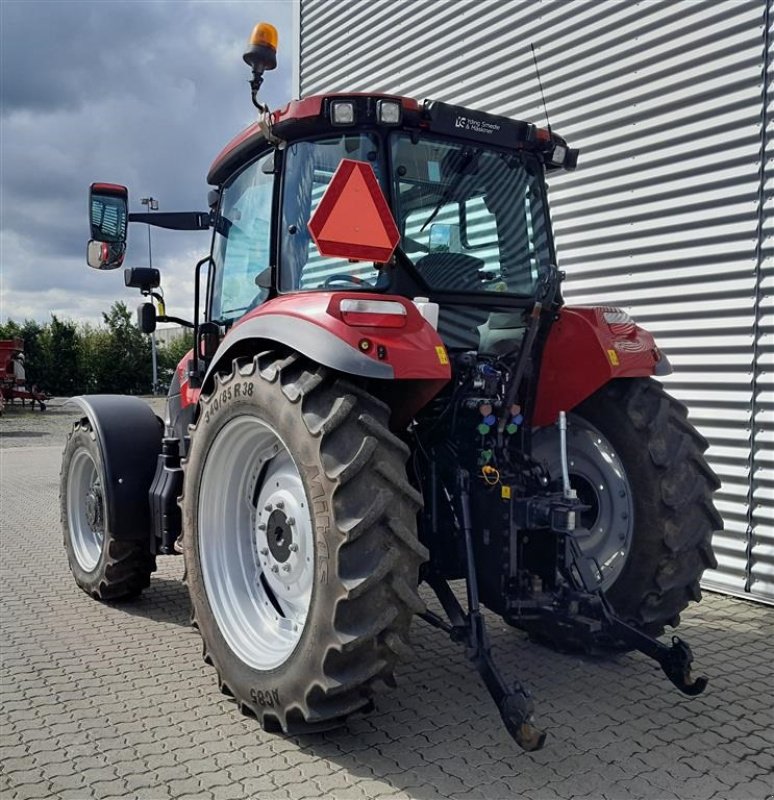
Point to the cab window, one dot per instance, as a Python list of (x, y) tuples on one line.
[(309, 168), (242, 246)]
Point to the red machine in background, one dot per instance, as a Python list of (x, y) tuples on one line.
[(13, 381)]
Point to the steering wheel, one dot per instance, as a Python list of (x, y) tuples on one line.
[(341, 277)]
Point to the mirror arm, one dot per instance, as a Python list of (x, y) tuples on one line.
[(177, 320), (175, 220)]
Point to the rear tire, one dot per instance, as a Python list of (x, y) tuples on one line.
[(104, 567), (668, 538), (299, 648)]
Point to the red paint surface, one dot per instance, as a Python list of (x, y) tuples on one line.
[(411, 350), (188, 394), (110, 188), (353, 219), (576, 360)]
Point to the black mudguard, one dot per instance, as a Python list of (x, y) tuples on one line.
[(129, 440)]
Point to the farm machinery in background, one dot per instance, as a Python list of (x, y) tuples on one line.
[(386, 389), (13, 377)]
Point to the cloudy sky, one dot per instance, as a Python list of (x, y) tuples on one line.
[(142, 93)]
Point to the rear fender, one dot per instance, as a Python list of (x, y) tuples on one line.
[(129, 440), (410, 360), (586, 348)]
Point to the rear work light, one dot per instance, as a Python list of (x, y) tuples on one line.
[(559, 154), (377, 313), (343, 112), (388, 112)]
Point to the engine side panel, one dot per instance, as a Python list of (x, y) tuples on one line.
[(584, 352)]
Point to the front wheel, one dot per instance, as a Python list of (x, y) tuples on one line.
[(639, 465), (300, 542), (103, 566)]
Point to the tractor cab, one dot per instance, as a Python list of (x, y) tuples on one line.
[(465, 189)]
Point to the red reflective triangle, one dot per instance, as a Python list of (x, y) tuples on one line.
[(353, 219)]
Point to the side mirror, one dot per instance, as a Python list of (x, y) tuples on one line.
[(108, 216), (146, 317)]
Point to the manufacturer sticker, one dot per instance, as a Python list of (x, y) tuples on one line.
[(505, 492), (442, 357), (613, 356)]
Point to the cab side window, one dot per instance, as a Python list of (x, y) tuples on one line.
[(242, 249)]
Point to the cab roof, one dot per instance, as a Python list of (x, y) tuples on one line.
[(312, 115)]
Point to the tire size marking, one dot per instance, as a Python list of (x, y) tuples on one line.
[(321, 522), (265, 697), (228, 393)]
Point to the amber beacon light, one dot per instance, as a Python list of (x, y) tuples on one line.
[(261, 55)]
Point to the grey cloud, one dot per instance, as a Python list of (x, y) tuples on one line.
[(144, 94)]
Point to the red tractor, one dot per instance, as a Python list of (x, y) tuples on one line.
[(387, 388)]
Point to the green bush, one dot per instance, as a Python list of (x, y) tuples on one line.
[(65, 358)]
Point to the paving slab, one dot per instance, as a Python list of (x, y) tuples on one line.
[(112, 700)]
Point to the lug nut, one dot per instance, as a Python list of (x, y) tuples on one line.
[(264, 551), (293, 547), (280, 504), (275, 568), (261, 526), (286, 567), (291, 520), (268, 507)]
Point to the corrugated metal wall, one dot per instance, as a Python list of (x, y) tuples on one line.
[(670, 213)]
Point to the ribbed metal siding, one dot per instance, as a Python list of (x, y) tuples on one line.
[(665, 101)]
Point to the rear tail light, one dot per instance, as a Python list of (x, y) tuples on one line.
[(377, 313)]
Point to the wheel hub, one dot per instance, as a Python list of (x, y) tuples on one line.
[(94, 509), (283, 536), (279, 535), (598, 476)]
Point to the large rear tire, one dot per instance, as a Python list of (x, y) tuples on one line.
[(104, 567), (639, 464), (300, 542)]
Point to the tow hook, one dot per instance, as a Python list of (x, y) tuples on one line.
[(676, 663)]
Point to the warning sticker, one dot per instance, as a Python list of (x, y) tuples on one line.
[(442, 357), (505, 492), (613, 356)]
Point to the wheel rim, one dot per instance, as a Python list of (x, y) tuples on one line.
[(599, 478), (256, 543), (85, 510)]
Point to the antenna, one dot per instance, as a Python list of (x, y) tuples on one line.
[(540, 84)]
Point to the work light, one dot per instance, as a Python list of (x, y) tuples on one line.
[(343, 112), (388, 112)]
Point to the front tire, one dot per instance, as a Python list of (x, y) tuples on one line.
[(639, 464), (103, 566), (300, 542)]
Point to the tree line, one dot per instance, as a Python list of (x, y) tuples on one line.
[(64, 358)]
